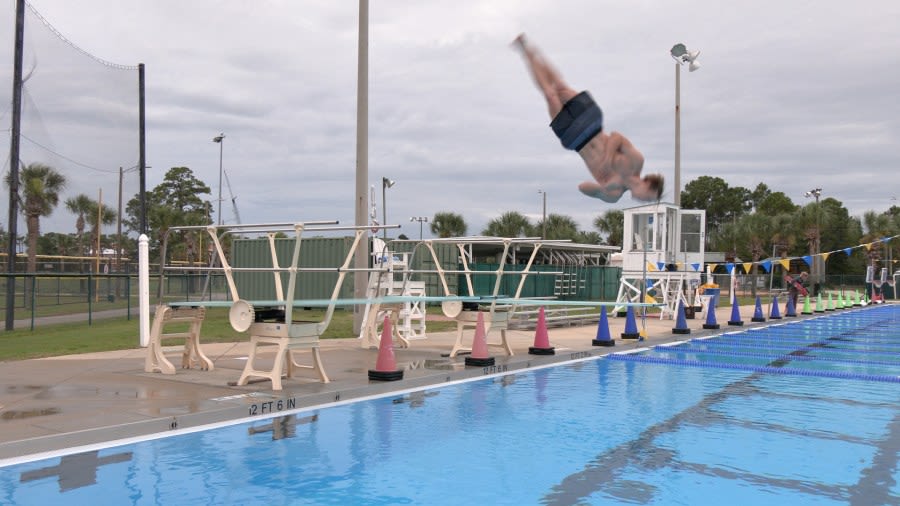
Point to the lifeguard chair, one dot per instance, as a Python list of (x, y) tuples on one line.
[(662, 255)]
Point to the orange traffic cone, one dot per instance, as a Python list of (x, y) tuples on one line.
[(541, 338), (386, 364), (479, 357)]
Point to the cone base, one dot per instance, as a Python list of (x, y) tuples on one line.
[(385, 375), (532, 350), (807, 312), (677, 330), (480, 362), (757, 319), (819, 310), (710, 326), (790, 315), (603, 342), (631, 335), (774, 317), (736, 323)]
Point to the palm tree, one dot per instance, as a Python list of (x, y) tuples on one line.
[(39, 187), (560, 227), (80, 206), (509, 224), (447, 224), (612, 224)]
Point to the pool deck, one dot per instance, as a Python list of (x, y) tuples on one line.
[(51, 404)]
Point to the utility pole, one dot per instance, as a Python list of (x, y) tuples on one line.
[(14, 166)]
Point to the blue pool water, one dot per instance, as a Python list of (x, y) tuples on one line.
[(801, 413)]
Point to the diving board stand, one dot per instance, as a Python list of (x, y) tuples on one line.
[(270, 323), (156, 360)]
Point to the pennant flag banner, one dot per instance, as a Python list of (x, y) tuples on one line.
[(825, 256), (748, 266), (785, 263), (847, 251), (868, 246), (729, 267), (696, 266), (885, 240), (712, 267), (807, 259), (661, 266), (651, 266), (766, 265)]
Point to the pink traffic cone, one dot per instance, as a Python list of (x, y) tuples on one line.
[(541, 338), (479, 357), (386, 364)]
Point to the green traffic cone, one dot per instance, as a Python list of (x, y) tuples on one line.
[(819, 306), (830, 306), (806, 308)]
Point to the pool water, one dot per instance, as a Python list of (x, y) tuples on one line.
[(801, 413)]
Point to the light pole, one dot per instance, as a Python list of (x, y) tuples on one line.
[(385, 184), (816, 193), (421, 220), (544, 221), (219, 139), (681, 56)]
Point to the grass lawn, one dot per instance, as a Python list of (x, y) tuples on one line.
[(122, 334)]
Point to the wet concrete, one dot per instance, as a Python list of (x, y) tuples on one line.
[(57, 403)]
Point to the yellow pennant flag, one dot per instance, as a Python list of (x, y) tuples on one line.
[(747, 267), (825, 256), (868, 246), (712, 267), (651, 266), (786, 263)]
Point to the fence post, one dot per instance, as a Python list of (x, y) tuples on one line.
[(144, 288), (128, 297), (33, 300), (90, 297)]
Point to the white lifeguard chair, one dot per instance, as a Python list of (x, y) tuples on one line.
[(663, 251)]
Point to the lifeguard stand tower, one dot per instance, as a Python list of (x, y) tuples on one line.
[(662, 255)]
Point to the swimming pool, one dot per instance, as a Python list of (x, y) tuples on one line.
[(806, 412)]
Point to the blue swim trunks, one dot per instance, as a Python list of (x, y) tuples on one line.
[(578, 122)]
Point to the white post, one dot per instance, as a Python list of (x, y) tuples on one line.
[(144, 288)]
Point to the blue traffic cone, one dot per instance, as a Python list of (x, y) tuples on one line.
[(735, 314), (757, 312), (774, 313), (711, 317), (681, 323), (789, 310), (631, 330), (603, 337)]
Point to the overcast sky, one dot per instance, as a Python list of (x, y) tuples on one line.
[(794, 94)]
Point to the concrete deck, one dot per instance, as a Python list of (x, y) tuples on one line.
[(57, 403)]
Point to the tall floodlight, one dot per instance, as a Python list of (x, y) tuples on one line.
[(385, 184), (681, 56), (361, 260), (220, 140), (817, 268)]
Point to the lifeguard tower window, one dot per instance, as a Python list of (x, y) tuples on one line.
[(645, 231), (691, 233)]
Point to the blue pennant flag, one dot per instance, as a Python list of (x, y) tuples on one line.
[(807, 259), (847, 251), (766, 265), (695, 266), (661, 266), (729, 267)]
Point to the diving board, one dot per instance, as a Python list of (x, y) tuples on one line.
[(270, 323)]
